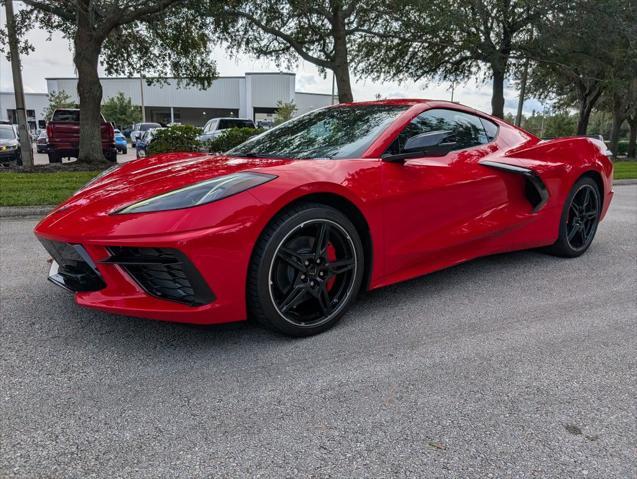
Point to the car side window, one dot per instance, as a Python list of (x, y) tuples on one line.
[(490, 128), (467, 130)]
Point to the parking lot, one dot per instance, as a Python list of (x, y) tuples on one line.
[(43, 159), (518, 365)]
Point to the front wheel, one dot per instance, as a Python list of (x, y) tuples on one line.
[(306, 270), (580, 218)]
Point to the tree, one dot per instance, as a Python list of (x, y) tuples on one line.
[(120, 110), (583, 50), (452, 40), (122, 35), (284, 111), (319, 31), (58, 99)]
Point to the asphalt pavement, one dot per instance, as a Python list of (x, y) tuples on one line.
[(518, 365)]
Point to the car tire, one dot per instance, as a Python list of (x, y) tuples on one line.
[(124, 151), (306, 270), (54, 157), (18, 158), (579, 220), (111, 155)]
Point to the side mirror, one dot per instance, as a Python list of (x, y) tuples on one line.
[(432, 143)]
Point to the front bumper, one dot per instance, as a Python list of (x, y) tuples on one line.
[(9, 154), (220, 254)]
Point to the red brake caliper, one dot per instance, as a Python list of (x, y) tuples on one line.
[(331, 256)]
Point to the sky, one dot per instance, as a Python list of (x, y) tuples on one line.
[(53, 58)]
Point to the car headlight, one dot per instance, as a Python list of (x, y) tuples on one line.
[(200, 193), (107, 171)]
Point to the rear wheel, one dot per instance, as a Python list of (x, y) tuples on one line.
[(111, 155), (306, 271), (54, 157), (580, 219)]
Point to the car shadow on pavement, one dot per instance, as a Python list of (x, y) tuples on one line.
[(387, 304)]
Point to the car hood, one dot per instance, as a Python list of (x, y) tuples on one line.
[(144, 178), (8, 142)]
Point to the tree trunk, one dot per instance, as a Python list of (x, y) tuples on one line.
[(89, 88), (341, 61), (632, 138), (497, 97), (587, 99)]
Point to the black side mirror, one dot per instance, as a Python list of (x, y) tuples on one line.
[(432, 143)]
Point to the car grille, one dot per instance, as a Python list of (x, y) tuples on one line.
[(76, 269), (163, 272)]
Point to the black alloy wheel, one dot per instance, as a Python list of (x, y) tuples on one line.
[(580, 219), (306, 271)]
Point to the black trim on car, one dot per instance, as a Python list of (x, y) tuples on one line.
[(535, 189), (76, 271)]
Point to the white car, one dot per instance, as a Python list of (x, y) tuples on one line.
[(215, 126), (138, 130)]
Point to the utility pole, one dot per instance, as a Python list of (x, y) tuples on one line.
[(141, 90), (23, 131)]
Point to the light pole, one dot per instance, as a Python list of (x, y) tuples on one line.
[(23, 130)]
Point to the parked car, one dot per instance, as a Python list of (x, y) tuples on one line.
[(214, 127), (120, 142), (9, 144), (41, 143), (289, 226), (138, 130), (63, 133), (141, 148)]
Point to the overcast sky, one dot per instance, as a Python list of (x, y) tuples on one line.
[(54, 59)]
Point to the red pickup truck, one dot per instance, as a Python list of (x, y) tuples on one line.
[(63, 131)]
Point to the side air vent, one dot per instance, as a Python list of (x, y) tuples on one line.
[(534, 188)]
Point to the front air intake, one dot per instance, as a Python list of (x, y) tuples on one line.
[(165, 273)]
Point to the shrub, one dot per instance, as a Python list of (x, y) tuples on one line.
[(175, 138), (231, 138)]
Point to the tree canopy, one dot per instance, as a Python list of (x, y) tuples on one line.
[(321, 32), (454, 40), (158, 38), (120, 110)]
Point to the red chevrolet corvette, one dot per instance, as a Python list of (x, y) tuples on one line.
[(288, 227)]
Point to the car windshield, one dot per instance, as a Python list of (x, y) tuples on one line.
[(336, 132), (148, 126), (72, 116), (7, 133), (225, 124)]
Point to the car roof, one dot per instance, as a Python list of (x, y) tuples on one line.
[(420, 101), (229, 118)]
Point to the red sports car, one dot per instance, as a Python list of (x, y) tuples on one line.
[(288, 227)]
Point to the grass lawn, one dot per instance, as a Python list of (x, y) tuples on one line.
[(625, 170), (31, 189)]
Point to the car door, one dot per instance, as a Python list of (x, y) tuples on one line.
[(436, 207)]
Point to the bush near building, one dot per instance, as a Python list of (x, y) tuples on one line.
[(175, 138)]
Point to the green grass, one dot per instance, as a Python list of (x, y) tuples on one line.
[(31, 189), (625, 170)]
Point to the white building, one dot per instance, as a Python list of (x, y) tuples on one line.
[(36, 106), (254, 95)]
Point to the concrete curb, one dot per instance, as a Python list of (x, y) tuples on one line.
[(632, 181), (39, 211), (24, 211)]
